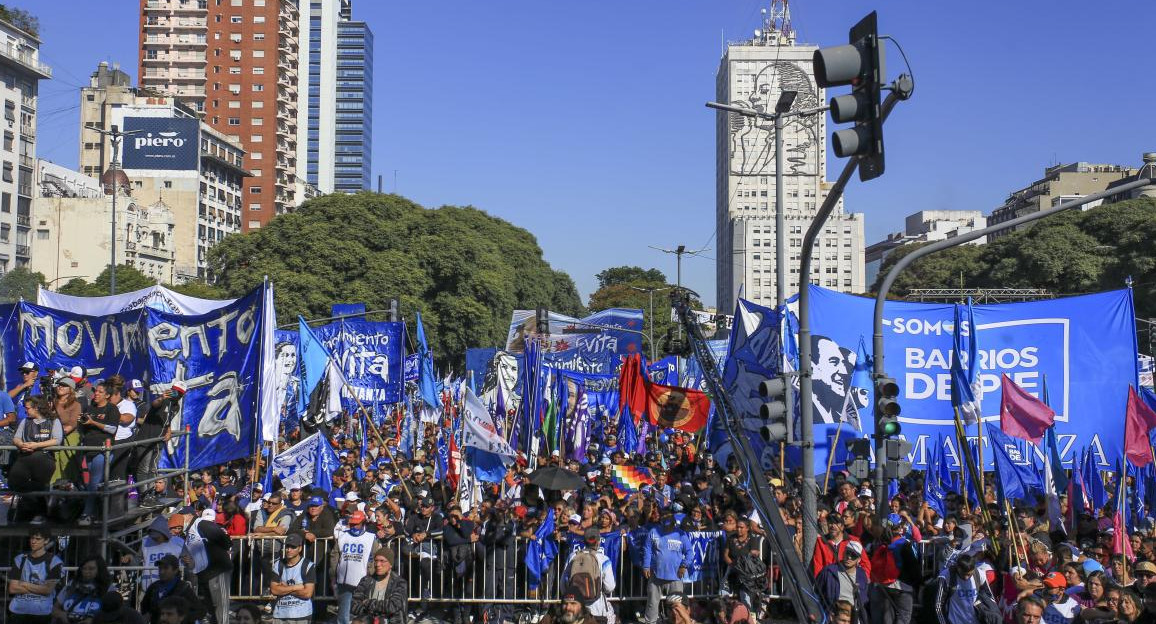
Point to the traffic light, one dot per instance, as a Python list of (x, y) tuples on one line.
[(859, 64), (777, 411), (895, 464), (394, 315), (887, 408), (859, 464), (542, 320)]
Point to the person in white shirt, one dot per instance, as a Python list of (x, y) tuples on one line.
[(293, 582), (1062, 608), (125, 428), (355, 548)]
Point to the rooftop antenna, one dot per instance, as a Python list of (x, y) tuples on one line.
[(777, 28)]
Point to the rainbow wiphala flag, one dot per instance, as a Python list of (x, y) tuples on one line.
[(628, 479)]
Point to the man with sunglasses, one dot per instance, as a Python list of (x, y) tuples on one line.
[(846, 580), (292, 584)]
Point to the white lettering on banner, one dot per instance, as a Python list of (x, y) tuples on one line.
[(1068, 443), (596, 342), (296, 465), (163, 139), (115, 339)]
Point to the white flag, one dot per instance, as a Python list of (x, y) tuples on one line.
[(295, 466), (480, 432)]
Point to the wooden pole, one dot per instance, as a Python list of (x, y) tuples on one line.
[(831, 457), (982, 465)]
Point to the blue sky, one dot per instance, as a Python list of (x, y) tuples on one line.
[(584, 123)]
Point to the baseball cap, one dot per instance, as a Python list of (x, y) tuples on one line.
[(1055, 580), (77, 373), (136, 384), (575, 519), (29, 366), (427, 502), (419, 469), (316, 501), (170, 561), (295, 540), (176, 521), (66, 382), (1091, 565), (356, 517), (854, 547), (180, 386)]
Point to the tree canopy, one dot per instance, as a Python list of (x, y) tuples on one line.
[(1069, 253), (20, 283), (464, 270), (618, 290), (128, 279)]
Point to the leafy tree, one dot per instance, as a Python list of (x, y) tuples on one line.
[(201, 289), (629, 275), (619, 290), (128, 279), (20, 283), (464, 270), (21, 19), (1069, 253)]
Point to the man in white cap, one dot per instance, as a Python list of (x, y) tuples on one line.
[(84, 389), (211, 550), (845, 580)]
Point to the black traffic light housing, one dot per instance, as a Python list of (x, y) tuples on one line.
[(777, 411), (887, 408), (542, 320), (861, 65)]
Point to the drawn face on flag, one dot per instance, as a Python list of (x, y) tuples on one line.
[(672, 408), (832, 366)]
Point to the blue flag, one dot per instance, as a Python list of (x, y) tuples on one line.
[(314, 359), (541, 551), (1015, 471), (963, 374), (933, 489), (427, 383), (1094, 482), (327, 462)]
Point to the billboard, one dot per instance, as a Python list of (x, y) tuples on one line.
[(161, 143), (1081, 348)]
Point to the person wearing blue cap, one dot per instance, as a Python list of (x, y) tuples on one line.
[(318, 521)]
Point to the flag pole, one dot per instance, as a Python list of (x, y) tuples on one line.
[(982, 490), (831, 456)]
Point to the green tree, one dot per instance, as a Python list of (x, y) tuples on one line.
[(20, 283), (951, 268), (201, 289), (128, 279), (626, 287), (629, 275), (21, 19), (464, 270)]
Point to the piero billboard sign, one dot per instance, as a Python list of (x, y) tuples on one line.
[(161, 143)]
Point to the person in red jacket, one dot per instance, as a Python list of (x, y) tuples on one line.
[(232, 519), (832, 546)]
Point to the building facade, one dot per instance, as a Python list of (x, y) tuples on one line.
[(925, 226), (236, 62), (753, 74), (1071, 180), (20, 74), (108, 88), (335, 103)]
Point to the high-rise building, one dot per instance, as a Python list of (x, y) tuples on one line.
[(20, 73), (336, 105), (753, 74), (235, 61)]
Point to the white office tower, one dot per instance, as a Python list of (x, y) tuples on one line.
[(753, 74)]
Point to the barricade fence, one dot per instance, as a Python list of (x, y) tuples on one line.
[(469, 575)]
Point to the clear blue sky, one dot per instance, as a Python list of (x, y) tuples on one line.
[(584, 123)]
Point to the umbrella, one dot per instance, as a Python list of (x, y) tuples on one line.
[(555, 478)]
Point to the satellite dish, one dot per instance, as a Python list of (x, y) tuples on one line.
[(758, 33), (763, 11)]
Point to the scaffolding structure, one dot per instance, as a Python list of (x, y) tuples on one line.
[(978, 295)]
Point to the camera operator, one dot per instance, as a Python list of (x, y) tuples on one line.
[(8, 412), (98, 426), (156, 423)]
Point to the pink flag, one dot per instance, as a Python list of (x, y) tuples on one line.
[(1022, 415), (1138, 421)]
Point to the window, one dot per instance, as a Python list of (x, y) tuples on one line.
[(235, 55), (235, 37), (235, 89), (254, 225), (258, 19), (234, 121), (255, 155), (258, 104), (8, 142), (7, 172), (41, 234), (235, 19), (258, 36), (256, 138), (258, 87), (258, 54), (6, 202), (258, 71), (255, 190), (257, 121), (234, 103), (254, 206)]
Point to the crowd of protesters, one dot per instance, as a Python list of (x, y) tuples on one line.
[(392, 541)]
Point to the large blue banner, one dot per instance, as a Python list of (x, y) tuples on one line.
[(218, 357), (371, 356), (287, 376), (1083, 346), (593, 344)]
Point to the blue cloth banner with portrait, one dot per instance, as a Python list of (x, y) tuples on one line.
[(218, 356), (1084, 346), (413, 367), (755, 354), (287, 376), (371, 357)]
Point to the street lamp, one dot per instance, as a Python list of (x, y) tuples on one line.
[(651, 292), (114, 174), (53, 281), (782, 111)]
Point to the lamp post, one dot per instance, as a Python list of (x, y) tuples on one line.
[(114, 135), (651, 292), (782, 111), (53, 281)]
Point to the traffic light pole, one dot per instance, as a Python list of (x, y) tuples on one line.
[(806, 392), (905, 261)]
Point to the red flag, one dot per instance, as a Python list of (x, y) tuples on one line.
[(1022, 415), (1138, 421), (632, 386), (679, 408)]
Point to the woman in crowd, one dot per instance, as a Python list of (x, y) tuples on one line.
[(34, 466), (80, 600)]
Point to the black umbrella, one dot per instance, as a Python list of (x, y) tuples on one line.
[(556, 478)]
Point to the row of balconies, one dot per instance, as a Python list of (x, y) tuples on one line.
[(177, 5), (21, 56)]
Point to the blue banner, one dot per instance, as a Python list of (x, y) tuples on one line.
[(370, 355), (755, 354), (412, 367), (218, 357), (162, 143), (287, 377), (1084, 346), (594, 344)]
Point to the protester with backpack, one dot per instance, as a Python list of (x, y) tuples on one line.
[(590, 575), (895, 574), (963, 595), (292, 584)]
